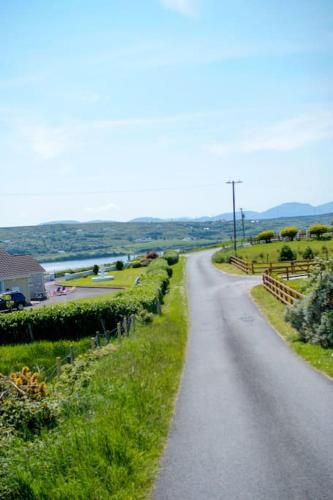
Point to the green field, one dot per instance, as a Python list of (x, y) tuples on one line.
[(318, 357), (113, 430), (229, 268), (269, 252), (122, 279)]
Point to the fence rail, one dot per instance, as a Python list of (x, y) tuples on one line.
[(282, 292), (289, 268)]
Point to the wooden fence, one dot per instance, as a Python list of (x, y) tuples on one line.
[(282, 292), (290, 268)]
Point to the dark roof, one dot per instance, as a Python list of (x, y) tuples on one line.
[(16, 266)]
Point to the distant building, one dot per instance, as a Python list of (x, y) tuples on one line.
[(22, 273)]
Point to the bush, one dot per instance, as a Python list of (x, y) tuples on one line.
[(308, 254), (95, 269), (76, 320), (313, 316), (286, 254), (152, 255), (318, 230), (119, 265), (289, 232), (171, 256), (266, 236)]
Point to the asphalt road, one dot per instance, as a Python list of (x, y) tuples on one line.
[(253, 420)]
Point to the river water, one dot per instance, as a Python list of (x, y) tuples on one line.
[(52, 267)]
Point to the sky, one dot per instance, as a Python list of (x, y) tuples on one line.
[(111, 110)]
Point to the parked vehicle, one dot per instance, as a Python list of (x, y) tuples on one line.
[(12, 300)]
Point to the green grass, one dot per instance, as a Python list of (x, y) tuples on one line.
[(300, 285), (229, 268), (269, 252), (318, 357), (112, 434), (38, 356), (122, 279)]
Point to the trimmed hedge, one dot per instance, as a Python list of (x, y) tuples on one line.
[(81, 319), (171, 256)]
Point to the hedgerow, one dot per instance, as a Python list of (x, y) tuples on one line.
[(76, 320), (171, 256)]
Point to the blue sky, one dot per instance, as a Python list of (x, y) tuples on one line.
[(117, 109)]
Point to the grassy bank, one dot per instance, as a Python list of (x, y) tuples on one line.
[(229, 268), (39, 356), (319, 358), (269, 252), (112, 434)]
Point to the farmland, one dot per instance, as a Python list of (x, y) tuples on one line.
[(269, 252), (68, 241)]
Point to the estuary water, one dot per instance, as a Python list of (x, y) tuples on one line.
[(52, 267)]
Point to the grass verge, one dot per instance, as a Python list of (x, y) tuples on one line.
[(318, 357), (112, 433), (229, 268)]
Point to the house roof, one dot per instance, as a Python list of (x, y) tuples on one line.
[(18, 266)]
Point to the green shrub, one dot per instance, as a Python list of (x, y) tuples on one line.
[(289, 232), (308, 254), (318, 230), (266, 236), (95, 269), (76, 320), (286, 254), (171, 256), (312, 317), (119, 265)]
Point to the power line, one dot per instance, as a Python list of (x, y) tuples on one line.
[(112, 191)]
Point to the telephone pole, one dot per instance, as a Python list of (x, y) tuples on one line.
[(243, 220), (234, 211)]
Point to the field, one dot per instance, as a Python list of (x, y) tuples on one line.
[(319, 358), (57, 242), (269, 252), (112, 432), (122, 279)]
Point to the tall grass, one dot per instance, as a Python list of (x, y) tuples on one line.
[(38, 356), (109, 441)]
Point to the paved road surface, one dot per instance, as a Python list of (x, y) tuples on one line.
[(253, 421), (78, 293)]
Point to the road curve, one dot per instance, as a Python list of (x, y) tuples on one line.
[(253, 421)]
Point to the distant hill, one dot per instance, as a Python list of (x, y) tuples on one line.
[(59, 222), (292, 209)]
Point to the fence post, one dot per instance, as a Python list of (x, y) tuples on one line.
[(30, 332), (252, 268), (133, 322), (93, 342), (58, 365), (125, 326), (102, 322), (71, 353), (119, 329), (158, 307), (97, 340)]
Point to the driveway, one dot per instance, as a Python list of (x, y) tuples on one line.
[(73, 294), (253, 421)]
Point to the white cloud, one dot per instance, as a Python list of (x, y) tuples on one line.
[(109, 207), (185, 7), (287, 135), (45, 141)]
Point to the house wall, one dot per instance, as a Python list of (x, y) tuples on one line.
[(37, 285), (21, 283)]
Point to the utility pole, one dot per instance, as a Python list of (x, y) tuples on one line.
[(234, 211), (243, 219)]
